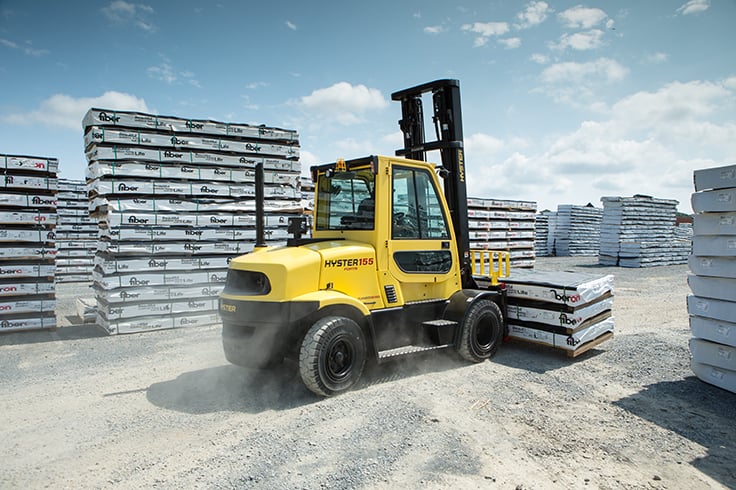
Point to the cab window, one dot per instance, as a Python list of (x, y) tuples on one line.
[(416, 210), (345, 201)]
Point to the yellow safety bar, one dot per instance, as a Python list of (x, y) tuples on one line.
[(491, 263)]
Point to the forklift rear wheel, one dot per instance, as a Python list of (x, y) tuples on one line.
[(481, 331), (332, 355)]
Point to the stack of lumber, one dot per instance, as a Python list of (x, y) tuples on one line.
[(712, 304), (497, 224), (578, 230), (565, 310), (175, 201), (640, 231), (28, 187), (76, 233)]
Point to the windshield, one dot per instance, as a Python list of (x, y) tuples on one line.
[(345, 201)]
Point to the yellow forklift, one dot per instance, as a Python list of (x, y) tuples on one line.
[(387, 271)]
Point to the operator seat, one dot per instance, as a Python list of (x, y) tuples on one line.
[(366, 212)]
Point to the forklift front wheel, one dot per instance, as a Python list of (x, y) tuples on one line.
[(332, 355), (481, 331)]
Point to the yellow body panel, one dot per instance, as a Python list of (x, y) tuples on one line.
[(291, 270), (333, 298), (349, 268)]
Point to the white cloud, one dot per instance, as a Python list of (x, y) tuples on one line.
[(581, 17), (580, 41), (344, 102), (656, 58), (394, 140), (535, 13), (434, 30), (694, 7), (602, 69), (650, 143), (248, 104), (483, 144), (163, 72), (291, 25), (65, 111), (510, 43), (539, 58), (486, 30), (166, 73), (134, 13), (674, 104), (28, 49)]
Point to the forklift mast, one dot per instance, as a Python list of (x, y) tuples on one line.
[(448, 128)]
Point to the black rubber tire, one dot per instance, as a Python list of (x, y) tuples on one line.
[(481, 331), (332, 355)]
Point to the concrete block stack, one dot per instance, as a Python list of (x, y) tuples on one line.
[(712, 304), (640, 231), (28, 218), (564, 310), (497, 224), (76, 233), (578, 230), (175, 200)]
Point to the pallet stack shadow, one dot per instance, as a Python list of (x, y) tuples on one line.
[(640, 231), (712, 304), (564, 310), (27, 242), (76, 233), (175, 201), (577, 230), (497, 224)]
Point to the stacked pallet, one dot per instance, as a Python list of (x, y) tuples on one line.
[(76, 233), (712, 304), (640, 231), (564, 310), (27, 242), (175, 201), (542, 231), (578, 230), (496, 224)]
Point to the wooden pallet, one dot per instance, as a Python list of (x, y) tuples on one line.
[(589, 345)]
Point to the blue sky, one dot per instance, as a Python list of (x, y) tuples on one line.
[(563, 102)]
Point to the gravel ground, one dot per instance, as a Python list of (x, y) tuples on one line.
[(165, 410)]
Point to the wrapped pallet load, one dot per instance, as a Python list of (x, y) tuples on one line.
[(570, 311), (712, 304), (28, 217), (641, 231), (499, 224), (175, 200)]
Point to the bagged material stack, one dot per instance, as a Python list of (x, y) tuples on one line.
[(578, 230), (565, 310), (503, 225), (640, 231), (76, 233), (175, 200), (712, 306), (27, 242)]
